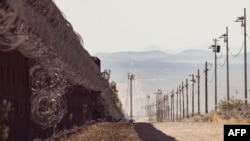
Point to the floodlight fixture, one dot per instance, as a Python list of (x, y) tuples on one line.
[(241, 19), (225, 37), (192, 81)]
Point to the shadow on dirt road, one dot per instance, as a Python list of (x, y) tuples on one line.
[(147, 132)]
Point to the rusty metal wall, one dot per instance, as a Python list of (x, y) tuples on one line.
[(83, 104), (14, 88)]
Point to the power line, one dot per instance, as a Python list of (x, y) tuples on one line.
[(212, 77), (223, 63), (248, 37), (210, 66), (238, 52), (221, 56)]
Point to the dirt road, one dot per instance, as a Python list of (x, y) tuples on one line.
[(142, 131), (188, 131)]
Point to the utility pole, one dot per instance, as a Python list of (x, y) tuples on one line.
[(167, 107), (177, 104), (206, 103), (198, 79), (131, 77), (157, 106), (159, 112), (180, 99), (182, 88), (187, 95), (216, 49), (148, 106), (173, 105), (242, 19), (160, 105), (225, 37), (192, 82)]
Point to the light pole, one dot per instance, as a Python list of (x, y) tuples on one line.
[(148, 106), (172, 96), (182, 88), (177, 104), (206, 103), (157, 106), (171, 107), (164, 107), (192, 82), (225, 37), (198, 79), (216, 48), (160, 105), (131, 77), (242, 19), (167, 107), (187, 95)]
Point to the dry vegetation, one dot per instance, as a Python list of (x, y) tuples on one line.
[(105, 131), (216, 118), (211, 130)]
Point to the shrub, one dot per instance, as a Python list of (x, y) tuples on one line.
[(118, 101), (5, 108), (233, 103)]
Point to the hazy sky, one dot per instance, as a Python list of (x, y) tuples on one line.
[(169, 25)]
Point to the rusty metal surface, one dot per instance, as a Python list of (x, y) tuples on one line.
[(38, 115), (52, 82), (14, 88)]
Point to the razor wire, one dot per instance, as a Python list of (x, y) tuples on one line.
[(38, 30), (48, 87), (47, 108)]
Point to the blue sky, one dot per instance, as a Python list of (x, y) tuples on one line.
[(169, 25)]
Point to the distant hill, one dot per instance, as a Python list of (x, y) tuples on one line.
[(161, 70), (132, 54), (185, 56)]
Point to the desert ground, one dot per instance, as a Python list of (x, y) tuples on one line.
[(142, 131), (206, 128)]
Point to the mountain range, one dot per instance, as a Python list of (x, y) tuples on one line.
[(157, 69)]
